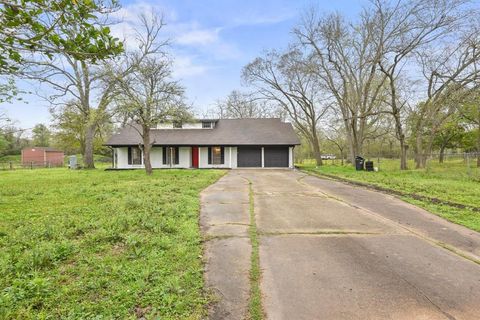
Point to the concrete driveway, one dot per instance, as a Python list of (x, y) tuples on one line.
[(333, 251)]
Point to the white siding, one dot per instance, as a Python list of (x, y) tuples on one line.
[(203, 158), (290, 157), (192, 125), (234, 157), (165, 126), (263, 157), (156, 157), (122, 160), (185, 157)]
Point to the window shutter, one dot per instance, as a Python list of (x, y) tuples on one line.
[(222, 155), (129, 155), (209, 155), (164, 155), (177, 158)]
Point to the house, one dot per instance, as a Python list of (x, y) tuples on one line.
[(209, 143), (42, 156)]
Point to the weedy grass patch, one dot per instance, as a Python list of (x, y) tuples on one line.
[(101, 244), (451, 182)]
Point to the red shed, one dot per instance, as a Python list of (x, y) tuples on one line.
[(42, 156)]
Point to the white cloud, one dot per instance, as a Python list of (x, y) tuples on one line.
[(251, 19), (196, 49), (200, 37), (184, 67), (189, 35)]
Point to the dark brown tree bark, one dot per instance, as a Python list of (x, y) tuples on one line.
[(316, 150), (403, 154), (441, 156)]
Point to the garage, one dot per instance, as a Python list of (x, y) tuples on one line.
[(249, 157), (276, 157)]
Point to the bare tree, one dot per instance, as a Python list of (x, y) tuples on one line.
[(4, 120), (285, 79), (344, 58), (337, 138), (238, 105), (448, 71), (469, 110), (403, 28), (83, 84), (148, 96)]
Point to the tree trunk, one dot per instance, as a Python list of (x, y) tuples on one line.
[(350, 143), (317, 154), (88, 154), (403, 154), (441, 155), (147, 147), (419, 162), (355, 149)]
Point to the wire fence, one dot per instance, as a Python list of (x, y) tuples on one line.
[(464, 162), (16, 165)]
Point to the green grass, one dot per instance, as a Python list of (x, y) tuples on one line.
[(101, 244), (255, 302), (451, 182)]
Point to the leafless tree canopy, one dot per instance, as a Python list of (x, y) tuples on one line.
[(398, 67), (239, 105), (284, 79), (144, 90)]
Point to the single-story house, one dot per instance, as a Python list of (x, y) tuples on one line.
[(42, 156), (209, 143)]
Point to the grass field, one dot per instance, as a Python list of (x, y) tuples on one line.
[(101, 161), (451, 182), (101, 244)]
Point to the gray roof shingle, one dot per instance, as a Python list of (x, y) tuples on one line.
[(271, 131)]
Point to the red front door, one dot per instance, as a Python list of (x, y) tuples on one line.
[(195, 157)]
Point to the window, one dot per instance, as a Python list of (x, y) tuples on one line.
[(169, 153), (134, 155), (177, 124), (206, 125), (216, 155)]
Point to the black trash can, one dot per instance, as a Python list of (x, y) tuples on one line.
[(369, 165), (359, 163)]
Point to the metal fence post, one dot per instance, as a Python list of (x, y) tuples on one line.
[(11, 165), (31, 165)]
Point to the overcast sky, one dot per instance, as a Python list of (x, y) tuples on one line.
[(212, 41)]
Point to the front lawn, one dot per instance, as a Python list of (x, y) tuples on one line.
[(101, 244), (452, 182)]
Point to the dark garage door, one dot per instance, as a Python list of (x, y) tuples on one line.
[(276, 156), (249, 157)]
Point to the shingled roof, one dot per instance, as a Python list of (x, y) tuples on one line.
[(270, 131)]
